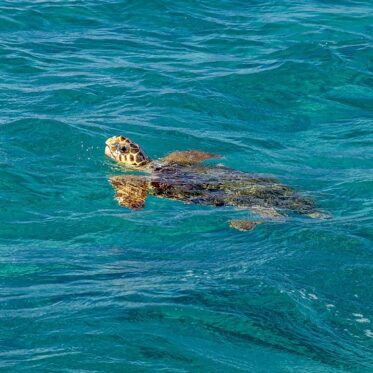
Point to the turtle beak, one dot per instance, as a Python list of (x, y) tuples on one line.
[(111, 147), (108, 152)]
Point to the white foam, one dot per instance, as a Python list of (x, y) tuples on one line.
[(363, 320), (368, 333)]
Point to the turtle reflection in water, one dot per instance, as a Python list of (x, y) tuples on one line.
[(181, 176)]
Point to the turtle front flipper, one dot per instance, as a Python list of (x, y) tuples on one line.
[(244, 225), (189, 157), (130, 191)]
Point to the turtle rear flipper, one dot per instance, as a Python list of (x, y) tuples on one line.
[(244, 225), (130, 191), (189, 157), (318, 215), (267, 212)]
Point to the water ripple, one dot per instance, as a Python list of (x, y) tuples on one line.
[(278, 88)]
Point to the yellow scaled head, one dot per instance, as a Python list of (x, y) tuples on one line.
[(126, 152)]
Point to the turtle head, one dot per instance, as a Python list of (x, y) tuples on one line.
[(126, 152)]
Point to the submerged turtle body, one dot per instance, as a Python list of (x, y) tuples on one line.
[(220, 186), (181, 176)]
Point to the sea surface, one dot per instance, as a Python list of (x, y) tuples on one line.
[(283, 88)]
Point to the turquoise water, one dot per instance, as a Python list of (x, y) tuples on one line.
[(281, 88)]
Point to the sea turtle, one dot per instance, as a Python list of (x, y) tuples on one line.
[(181, 176)]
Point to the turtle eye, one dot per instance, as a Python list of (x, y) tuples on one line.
[(122, 148)]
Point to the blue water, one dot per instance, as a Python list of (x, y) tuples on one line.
[(277, 87)]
